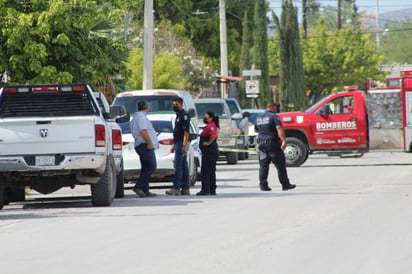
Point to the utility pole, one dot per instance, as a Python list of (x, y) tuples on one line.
[(304, 17), (223, 45), (339, 14), (148, 45), (378, 42)]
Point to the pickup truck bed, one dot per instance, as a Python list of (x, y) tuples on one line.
[(53, 136)]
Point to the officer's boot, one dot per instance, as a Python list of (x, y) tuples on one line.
[(264, 187)]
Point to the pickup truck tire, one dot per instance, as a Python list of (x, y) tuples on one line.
[(295, 153), (103, 191), (13, 194), (120, 183), (242, 155), (232, 158)]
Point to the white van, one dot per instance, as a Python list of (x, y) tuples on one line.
[(159, 100)]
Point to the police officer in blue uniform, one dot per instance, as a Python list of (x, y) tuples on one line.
[(180, 147), (271, 142)]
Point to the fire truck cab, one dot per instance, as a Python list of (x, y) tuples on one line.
[(337, 125)]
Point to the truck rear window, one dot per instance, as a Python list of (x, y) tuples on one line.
[(157, 103), (46, 104)]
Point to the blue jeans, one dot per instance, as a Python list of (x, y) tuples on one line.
[(181, 178), (148, 166)]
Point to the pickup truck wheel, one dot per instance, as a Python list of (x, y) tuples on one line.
[(232, 158), (120, 183), (102, 192), (295, 152), (242, 155), (13, 194)]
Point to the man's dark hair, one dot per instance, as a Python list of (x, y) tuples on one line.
[(273, 105), (178, 99), (142, 105)]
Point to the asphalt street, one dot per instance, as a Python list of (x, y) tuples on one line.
[(345, 216)]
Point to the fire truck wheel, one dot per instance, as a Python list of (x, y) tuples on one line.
[(296, 152)]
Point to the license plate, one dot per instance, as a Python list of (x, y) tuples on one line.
[(45, 161)]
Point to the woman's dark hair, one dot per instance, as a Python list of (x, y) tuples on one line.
[(214, 117)]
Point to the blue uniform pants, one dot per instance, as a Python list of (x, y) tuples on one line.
[(181, 178)]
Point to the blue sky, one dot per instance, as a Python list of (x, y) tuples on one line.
[(364, 5)]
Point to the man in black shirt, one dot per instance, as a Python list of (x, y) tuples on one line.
[(180, 147), (271, 143)]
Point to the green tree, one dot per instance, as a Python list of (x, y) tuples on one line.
[(53, 41), (396, 44), (198, 21), (292, 86), (245, 62), (260, 50), (335, 59), (167, 71)]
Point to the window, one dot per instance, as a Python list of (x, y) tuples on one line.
[(342, 105)]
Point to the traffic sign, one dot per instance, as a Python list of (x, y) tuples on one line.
[(252, 86), (252, 95), (254, 72)]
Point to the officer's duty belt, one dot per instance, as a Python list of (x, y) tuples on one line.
[(270, 141)]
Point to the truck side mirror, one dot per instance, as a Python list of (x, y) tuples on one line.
[(237, 116), (120, 114), (192, 136)]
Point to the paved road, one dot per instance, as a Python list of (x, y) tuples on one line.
[(346, 216)]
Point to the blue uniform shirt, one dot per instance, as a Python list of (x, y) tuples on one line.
[(182, 124), (266, 124)]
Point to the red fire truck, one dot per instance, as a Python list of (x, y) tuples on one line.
[(338, 125)]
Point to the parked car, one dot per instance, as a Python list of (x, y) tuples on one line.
[(253, 114), (228, 138), (243, 127), (163, 124)]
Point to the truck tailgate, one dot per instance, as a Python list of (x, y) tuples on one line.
[(47, 135)]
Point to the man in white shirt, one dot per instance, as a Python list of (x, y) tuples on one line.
[(145, 144)]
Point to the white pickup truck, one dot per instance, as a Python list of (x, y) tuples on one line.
[(54, 136)]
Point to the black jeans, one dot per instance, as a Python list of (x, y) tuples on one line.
[(272, 153)]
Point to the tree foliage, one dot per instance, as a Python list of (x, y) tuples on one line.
[(53, 41), (198, 21), (245, 56), (335, 59), (396, 43), (167, 71), (260, 50), (292, 86)]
